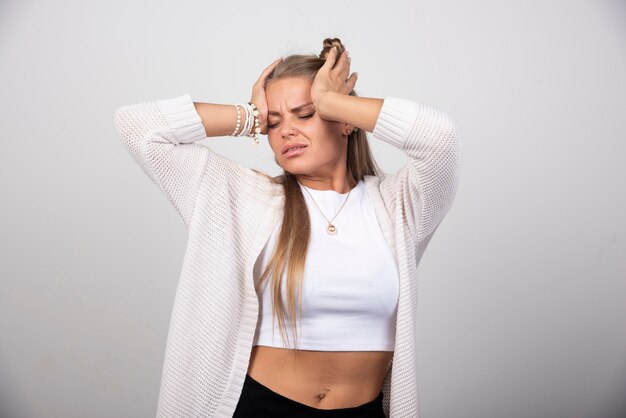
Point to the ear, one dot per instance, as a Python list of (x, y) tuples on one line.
[(347, 129)]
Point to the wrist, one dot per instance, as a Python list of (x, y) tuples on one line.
[(361, 112), (324, 104)]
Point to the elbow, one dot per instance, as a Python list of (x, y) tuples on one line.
[(438, 134), (454, 154), (450, 156), (131, 125), (444, 148), (451, 142), (121, 120), (450, 134)]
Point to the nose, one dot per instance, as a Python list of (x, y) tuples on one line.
[(288, 129)]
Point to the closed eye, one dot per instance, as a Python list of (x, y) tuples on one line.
[(300, 117)]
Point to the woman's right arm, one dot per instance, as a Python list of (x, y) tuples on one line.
[(221, 120), (218, 119), (161, 136)]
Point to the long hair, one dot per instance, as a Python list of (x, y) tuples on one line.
[(292, 245)]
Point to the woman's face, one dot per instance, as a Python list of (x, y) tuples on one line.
[(292, 119)]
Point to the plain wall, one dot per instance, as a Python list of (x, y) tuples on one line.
[(522, 289)]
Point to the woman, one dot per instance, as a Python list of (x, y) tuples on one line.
[(331, 242)]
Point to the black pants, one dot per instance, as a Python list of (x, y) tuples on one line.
[(259, 401)]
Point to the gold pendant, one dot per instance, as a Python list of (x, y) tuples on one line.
[(331, 229)]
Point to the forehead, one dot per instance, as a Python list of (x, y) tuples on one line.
[(287, 93)]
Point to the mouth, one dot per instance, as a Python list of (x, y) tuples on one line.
[(294, 150)]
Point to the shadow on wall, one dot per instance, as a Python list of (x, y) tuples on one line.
[(10, 399), (617, 409)]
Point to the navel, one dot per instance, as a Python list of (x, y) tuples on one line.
[(322, 394)]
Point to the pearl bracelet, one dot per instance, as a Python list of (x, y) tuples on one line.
[(238, 121), (251, 126)]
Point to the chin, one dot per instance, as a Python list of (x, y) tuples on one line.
[(295, 167)]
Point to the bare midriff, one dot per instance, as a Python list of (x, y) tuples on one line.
[(321, 379)]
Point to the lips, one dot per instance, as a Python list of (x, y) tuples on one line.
[(290, 146)]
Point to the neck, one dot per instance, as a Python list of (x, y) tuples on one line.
[(341, 185)]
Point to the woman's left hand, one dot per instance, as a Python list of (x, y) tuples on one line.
[(332, 78)]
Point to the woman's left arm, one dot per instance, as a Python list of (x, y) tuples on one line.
[(421, 192), (361, 112)]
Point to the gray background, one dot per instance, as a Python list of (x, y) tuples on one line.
[(522, 289)]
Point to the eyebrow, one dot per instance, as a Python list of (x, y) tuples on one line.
[(293, 110)]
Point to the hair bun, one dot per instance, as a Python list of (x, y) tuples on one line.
[(329, 43)]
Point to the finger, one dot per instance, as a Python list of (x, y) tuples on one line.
[(348, 63), (343, 63), (331, 58), (272, 66), (269, 69), (351, 81)]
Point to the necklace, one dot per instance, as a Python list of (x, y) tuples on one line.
[(330, 228)]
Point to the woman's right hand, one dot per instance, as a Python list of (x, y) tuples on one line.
[(258, 95)]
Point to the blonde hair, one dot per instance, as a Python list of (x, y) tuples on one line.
[(291, 248)]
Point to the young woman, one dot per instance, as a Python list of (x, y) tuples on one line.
[(298, 292)]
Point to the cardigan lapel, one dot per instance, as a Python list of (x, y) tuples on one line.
[(371, 187), (264, 231)]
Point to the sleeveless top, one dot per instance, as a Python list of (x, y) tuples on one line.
[(350, 288)]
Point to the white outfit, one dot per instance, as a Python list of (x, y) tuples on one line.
[(350, 286), (230, 211)]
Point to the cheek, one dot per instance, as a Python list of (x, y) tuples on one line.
[(328, 129), (274, 143), (271, 138)]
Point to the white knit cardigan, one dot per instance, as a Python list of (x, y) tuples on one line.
[(229, 211)]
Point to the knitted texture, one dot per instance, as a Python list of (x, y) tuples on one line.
[(230, 210)]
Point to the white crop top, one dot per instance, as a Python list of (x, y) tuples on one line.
[(350, 288)]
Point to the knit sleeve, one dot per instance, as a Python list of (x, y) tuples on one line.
[(161, 136), (422, 191)]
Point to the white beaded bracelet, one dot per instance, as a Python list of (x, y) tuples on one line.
[(251, 126), (246, 127), (238, 121), (256, 128)]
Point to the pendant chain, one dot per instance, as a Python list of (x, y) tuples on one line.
[(331, 229)]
